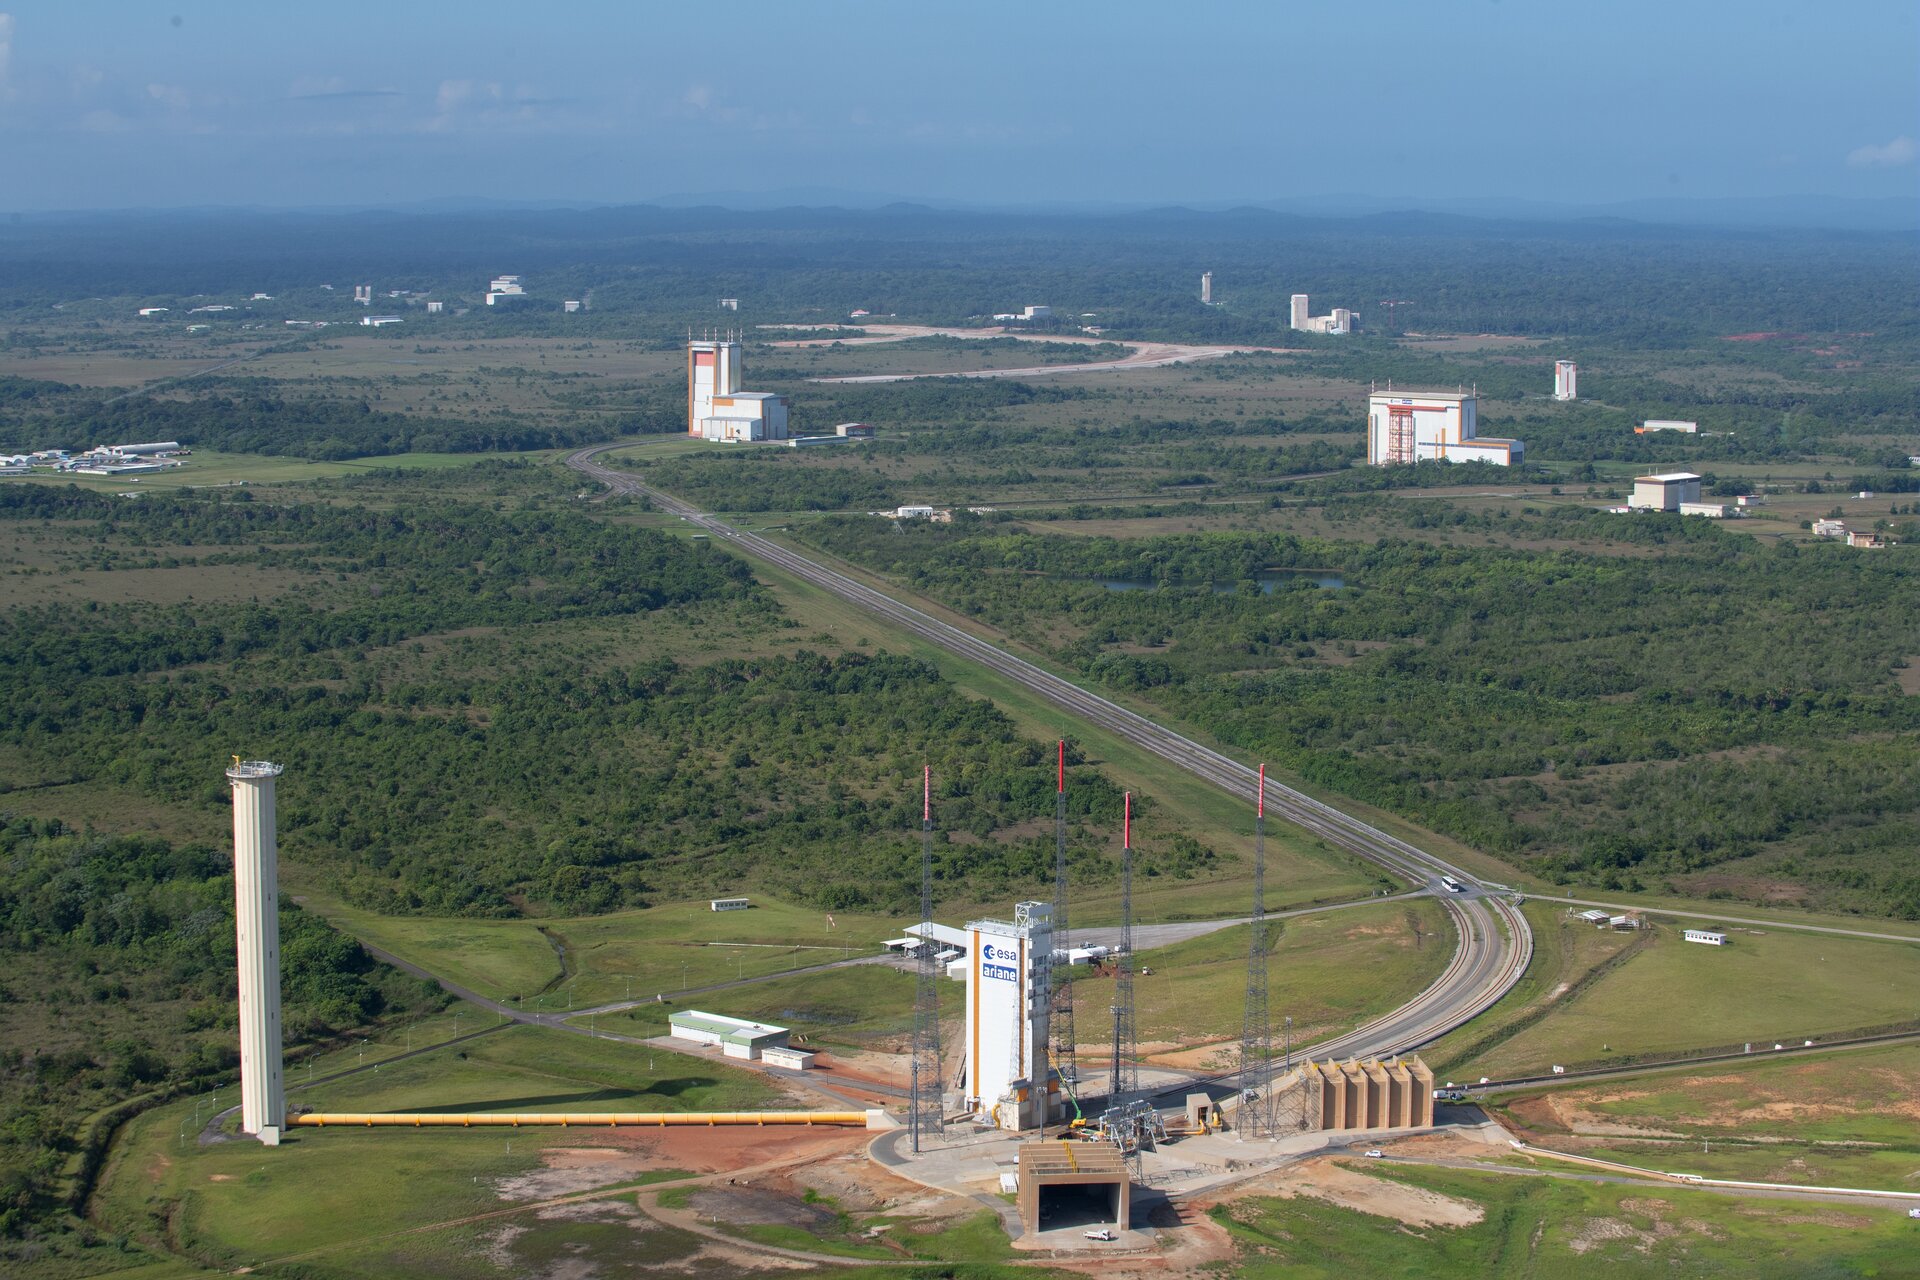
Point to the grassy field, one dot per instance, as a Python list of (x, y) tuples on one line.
[(627, 954), (862, 1006), (1559, 1229), (237, 1203), (1672, 995), (1196, 992), (1843, 1119), (1566, 952)]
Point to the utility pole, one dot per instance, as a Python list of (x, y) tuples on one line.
[(924, 1093), (1125, 1073), (1390, 304), (1256, 1029), (1062, 1012)]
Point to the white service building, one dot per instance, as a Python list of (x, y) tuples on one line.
[(1432, 426), (1652, 425), (717, 409), (1664, 492), (1008, 1082), (736, 1037), (1339, 320), (1710, 937)]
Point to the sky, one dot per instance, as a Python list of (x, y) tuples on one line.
[(124, 104)]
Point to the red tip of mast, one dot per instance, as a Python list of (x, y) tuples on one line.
[(1263, 791), (1063, 765), (1126, 828)]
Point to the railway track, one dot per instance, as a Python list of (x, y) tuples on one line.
[(1495, 944)]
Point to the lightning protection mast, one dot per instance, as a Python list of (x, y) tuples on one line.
[(1125, 1074), (924, 1102), (1255, 1110), (1062, 1016)]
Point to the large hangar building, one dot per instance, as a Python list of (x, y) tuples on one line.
[(1405, 427)]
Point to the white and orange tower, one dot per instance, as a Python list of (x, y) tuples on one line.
[(1566, 380), (256, 920), (713, 371)]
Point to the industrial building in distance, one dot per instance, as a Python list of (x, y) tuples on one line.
[(717, 409), (1432, 426), (1340, 320), (1668, 491), (1566, 380)]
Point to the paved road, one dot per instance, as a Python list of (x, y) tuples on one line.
[(1140, 355), (1495, 942), (1147, 936)]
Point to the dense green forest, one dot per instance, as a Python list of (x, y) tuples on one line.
[(455, 745), (1620, 719), (119, 973)]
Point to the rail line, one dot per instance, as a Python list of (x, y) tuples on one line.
[(1495, 943)]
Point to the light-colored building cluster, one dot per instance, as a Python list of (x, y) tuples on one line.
[(739, 1038), (504, 288), (1653, 426), (101, 460), (1012, 317), (717, 409), (1853, 537), (1432, 426), (1340, 320)]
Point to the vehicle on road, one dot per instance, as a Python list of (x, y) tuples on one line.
[(1374, 1153), (1101, 1234)]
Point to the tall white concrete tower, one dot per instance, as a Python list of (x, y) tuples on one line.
[(1566, 380), (1300, 313), (1206, 287), (713, 371), (256, 919)]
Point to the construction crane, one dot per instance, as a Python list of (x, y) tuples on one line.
[(1390, 304)]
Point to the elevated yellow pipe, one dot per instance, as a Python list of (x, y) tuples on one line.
[(601, 1119)]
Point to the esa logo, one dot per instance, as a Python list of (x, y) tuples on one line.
[(1003, 972)]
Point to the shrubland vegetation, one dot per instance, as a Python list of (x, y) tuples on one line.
[(1612, 719), (119, 971), (493, 772)]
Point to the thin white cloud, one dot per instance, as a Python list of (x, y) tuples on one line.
[(1900, 151)]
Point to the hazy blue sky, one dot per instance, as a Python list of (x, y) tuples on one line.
[(113, 103)]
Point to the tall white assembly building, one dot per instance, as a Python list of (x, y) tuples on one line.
[(1206, 287), (1566, 379), (256, 919), (717, 409), (1009, 992), (1299, 311)]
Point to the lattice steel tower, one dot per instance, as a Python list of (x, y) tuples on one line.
[(924, 1093), (1256, 1111), (1062, 1016), (1125, 1073)]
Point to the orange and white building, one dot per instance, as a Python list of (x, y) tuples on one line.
[(1432, 426), (717, 409), (1008, 1081)]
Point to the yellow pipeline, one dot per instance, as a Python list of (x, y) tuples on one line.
[(588, 1119)]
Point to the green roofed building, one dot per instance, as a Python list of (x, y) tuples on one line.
[(736, 1037)]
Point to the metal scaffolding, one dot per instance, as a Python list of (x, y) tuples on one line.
[(1256, 1107), (1124, 1076), (924, 1091), (1062, 1012)]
